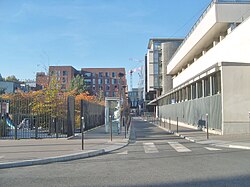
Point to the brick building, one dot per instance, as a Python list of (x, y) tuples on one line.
[(106, 81), (99, 81)]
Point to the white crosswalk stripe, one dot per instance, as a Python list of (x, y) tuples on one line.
[(123, 153), (212, 149), (150, 148), (179, 147)]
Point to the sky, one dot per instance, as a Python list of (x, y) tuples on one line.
[(36, 34)]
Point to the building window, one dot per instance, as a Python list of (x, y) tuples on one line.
[(100, 74), (58, 73), (106, 93), (65, 73), (87, 81), (100, 87), (93, 81), (107, 87), (193, 86), (206, 87), (93, 87), (99, 81), (113, 74), (107, 74), (64, 80), (87, 74), (107, 81), (199, 88), (216, 83), (114, 81)]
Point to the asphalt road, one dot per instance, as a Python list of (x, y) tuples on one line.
[(154, 158)]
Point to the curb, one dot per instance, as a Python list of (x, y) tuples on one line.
[(197, 141), (52, 159), (64, 158)]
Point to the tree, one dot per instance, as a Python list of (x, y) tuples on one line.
[(2, 90), (78, 84), (11, 78)]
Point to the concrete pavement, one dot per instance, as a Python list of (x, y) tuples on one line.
[(196, 135), (26, 152)]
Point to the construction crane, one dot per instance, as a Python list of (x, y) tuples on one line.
[(134, 70)]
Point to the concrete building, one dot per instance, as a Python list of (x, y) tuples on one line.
[(105, 81), (160, 50), (135, 98), (210, 71)]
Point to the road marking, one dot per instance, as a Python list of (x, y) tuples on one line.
[(178, 147), (150, 148), (212, 149), (123, 153)]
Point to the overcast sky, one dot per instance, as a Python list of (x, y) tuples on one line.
[(87, 33)]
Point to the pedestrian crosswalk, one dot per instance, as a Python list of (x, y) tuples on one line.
[(179, 147), (152, 148)]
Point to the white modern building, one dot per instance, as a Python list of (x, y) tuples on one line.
[(160, 50), (211, 71)]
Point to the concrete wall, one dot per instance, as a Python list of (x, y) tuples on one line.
[(235, 98)]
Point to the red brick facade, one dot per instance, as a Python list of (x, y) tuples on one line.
[(100, 81)]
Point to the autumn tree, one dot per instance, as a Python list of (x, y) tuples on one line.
[(78, 84)]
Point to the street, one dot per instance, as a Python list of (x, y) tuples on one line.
[(153, 158)]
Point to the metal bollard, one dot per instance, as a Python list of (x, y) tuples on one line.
[(110, 122), (177, 125), (169, 123), (83, 127), (207, 126)]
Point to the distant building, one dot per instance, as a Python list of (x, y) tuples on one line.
[(136, 101), (99, 81), (42, 80), (64, 74), (9, 87), (157, 81), (106, 81)]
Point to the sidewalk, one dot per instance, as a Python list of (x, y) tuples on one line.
[(198, 136), (26, 152)]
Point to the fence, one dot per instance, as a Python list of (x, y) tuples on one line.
[(93, 114), (21, 121), (194, 112)]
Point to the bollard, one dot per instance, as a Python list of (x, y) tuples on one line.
[(83, 127), (164, 122), (169, 126), (249, 122), (207, 126), (110, 122), (177, 125), (123, 124), (56, 127)]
